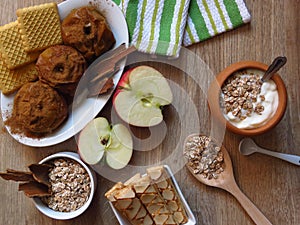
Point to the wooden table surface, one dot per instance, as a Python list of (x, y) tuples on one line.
[(271, 184)]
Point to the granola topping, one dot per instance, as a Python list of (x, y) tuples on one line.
[(246, 101), (70, 186), (204, 156)]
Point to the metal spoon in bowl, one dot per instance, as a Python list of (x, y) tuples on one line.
[(247, 146), (277, 63), (226, 181)]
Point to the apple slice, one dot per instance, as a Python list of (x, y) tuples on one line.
[(120, 149), (98, 138), (91, 144), (141, 93)]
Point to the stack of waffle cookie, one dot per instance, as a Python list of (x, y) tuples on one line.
[(149, 199), (21, 41)]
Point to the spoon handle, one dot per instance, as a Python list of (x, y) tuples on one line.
[(274, 67), (256, 215), (295, 159)]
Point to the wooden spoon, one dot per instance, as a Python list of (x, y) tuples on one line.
[(226, 181)]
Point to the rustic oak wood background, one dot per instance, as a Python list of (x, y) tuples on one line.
[(273, 185)]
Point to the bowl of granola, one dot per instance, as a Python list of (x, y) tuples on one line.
[(71, 186), (248, 106)]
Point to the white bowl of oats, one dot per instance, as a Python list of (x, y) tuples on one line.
[(72, 187), (247, 105)]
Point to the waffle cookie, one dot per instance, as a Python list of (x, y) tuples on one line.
[(12, 80), (11, 47), (39, 26)]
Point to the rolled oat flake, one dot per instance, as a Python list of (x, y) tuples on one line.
[(204, 156)]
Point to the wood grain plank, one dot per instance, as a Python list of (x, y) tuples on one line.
[(272, 185)]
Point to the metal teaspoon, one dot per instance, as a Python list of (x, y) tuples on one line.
[(247, 146)]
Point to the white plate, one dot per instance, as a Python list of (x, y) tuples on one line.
[(78, 116), (191, 218)]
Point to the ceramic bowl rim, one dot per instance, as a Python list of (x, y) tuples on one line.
[(214, 93), (67, 215)]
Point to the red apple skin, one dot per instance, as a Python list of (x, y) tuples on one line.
[(125, 78), (124, 81), (123, 86)]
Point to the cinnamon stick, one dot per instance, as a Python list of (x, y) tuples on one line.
[(15, 175), (101, 87), (109, 64), (34, 189), (40, 173)]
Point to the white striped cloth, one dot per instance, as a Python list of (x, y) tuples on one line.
[(156, 26), (162, 26), (208, 18)]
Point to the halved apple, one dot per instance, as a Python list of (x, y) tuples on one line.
[(99, 138), (141, 93)]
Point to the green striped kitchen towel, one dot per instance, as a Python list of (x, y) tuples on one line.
[(208, 18), (156, 26), (162, 26)]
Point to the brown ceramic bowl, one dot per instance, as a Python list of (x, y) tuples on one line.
[(214, 98)]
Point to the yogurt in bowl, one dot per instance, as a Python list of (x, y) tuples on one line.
[(246, 101), (248, 106)]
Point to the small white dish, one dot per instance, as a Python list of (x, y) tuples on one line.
[(67, 215), (191, 218), (82, 114)]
